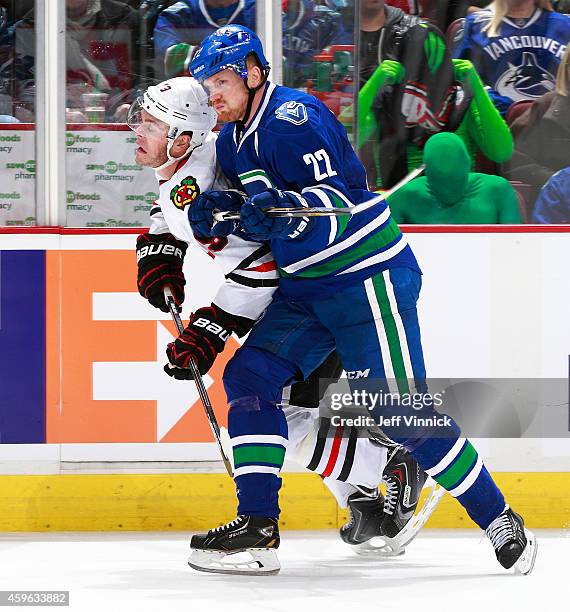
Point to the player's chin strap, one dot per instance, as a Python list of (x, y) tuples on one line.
[(251, 91), (172, 136)]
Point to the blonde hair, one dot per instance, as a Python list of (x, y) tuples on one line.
[(500, 9), (563, 74)]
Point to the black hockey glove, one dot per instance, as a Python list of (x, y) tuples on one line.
[(160, 258), (203, 340)]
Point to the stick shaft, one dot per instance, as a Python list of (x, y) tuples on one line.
[(202, 392), (325, 212)]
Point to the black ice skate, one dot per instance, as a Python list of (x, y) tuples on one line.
[(399, 523), (514, 545), (366, 509), (256, 537), (404, 480)]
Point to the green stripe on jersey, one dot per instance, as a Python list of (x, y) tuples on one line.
[(342, 221), (459, 467), (252, 173), (396, 355), (254, 176), (376, 242), (259, 453)]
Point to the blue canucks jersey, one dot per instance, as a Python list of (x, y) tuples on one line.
[(190, 21), (521, 63), (295, 143), (307, 30)]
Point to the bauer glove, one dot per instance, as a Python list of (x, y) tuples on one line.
[(160, 258), (201, 213), (259, 226), (202, 340)]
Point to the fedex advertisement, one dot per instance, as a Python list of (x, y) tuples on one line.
[(81, 352)]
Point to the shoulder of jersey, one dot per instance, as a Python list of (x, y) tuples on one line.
[(206, 153), (186, 6), (479, 18), (292, 112), (562, 18)]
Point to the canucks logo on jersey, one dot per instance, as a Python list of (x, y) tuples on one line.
[(294, 112), (527, 80)]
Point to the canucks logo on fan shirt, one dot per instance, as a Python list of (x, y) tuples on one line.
[(519, 62), (527, 80)]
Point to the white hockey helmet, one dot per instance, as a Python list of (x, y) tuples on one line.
[(181, 103)]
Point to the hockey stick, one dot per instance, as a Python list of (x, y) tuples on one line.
[(199, 382), (324, 212)]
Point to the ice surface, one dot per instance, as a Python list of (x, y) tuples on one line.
[(442, 570)]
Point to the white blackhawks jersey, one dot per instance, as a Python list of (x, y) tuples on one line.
[(248, 266)]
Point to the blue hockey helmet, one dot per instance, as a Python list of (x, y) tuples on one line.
[(227, 47)]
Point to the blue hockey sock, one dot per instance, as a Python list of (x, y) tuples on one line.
[(456, 466), (258, 431)]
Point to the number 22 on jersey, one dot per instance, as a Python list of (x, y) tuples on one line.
[(315, 158)]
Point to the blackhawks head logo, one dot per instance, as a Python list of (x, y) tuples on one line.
[(185, 193)]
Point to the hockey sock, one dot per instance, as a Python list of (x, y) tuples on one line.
[(258, 432), (455, 464)]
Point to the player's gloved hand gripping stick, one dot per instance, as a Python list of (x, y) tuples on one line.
[(324, 212), (169, 298)]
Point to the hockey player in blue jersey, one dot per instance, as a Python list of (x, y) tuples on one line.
[(350, 285), (516, 48)]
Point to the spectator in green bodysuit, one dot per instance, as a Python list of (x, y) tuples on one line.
[(450, 194), (481, 128)]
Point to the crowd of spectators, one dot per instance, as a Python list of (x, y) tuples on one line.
[(424, 67), (542, 138), (510, 59)]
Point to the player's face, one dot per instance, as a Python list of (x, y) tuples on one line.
[(151, 141), (227, 94)]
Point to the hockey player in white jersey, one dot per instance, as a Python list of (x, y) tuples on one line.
[(173, 124)]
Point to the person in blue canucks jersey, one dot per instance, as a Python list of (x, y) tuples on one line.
[(346, 285), (189, 21), (516, 49), (308, 27)]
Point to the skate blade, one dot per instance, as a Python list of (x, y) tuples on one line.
[(395, 547), (378, 547), (525, 562), (261, 562)]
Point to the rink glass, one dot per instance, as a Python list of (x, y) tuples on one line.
[(18, 71)]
